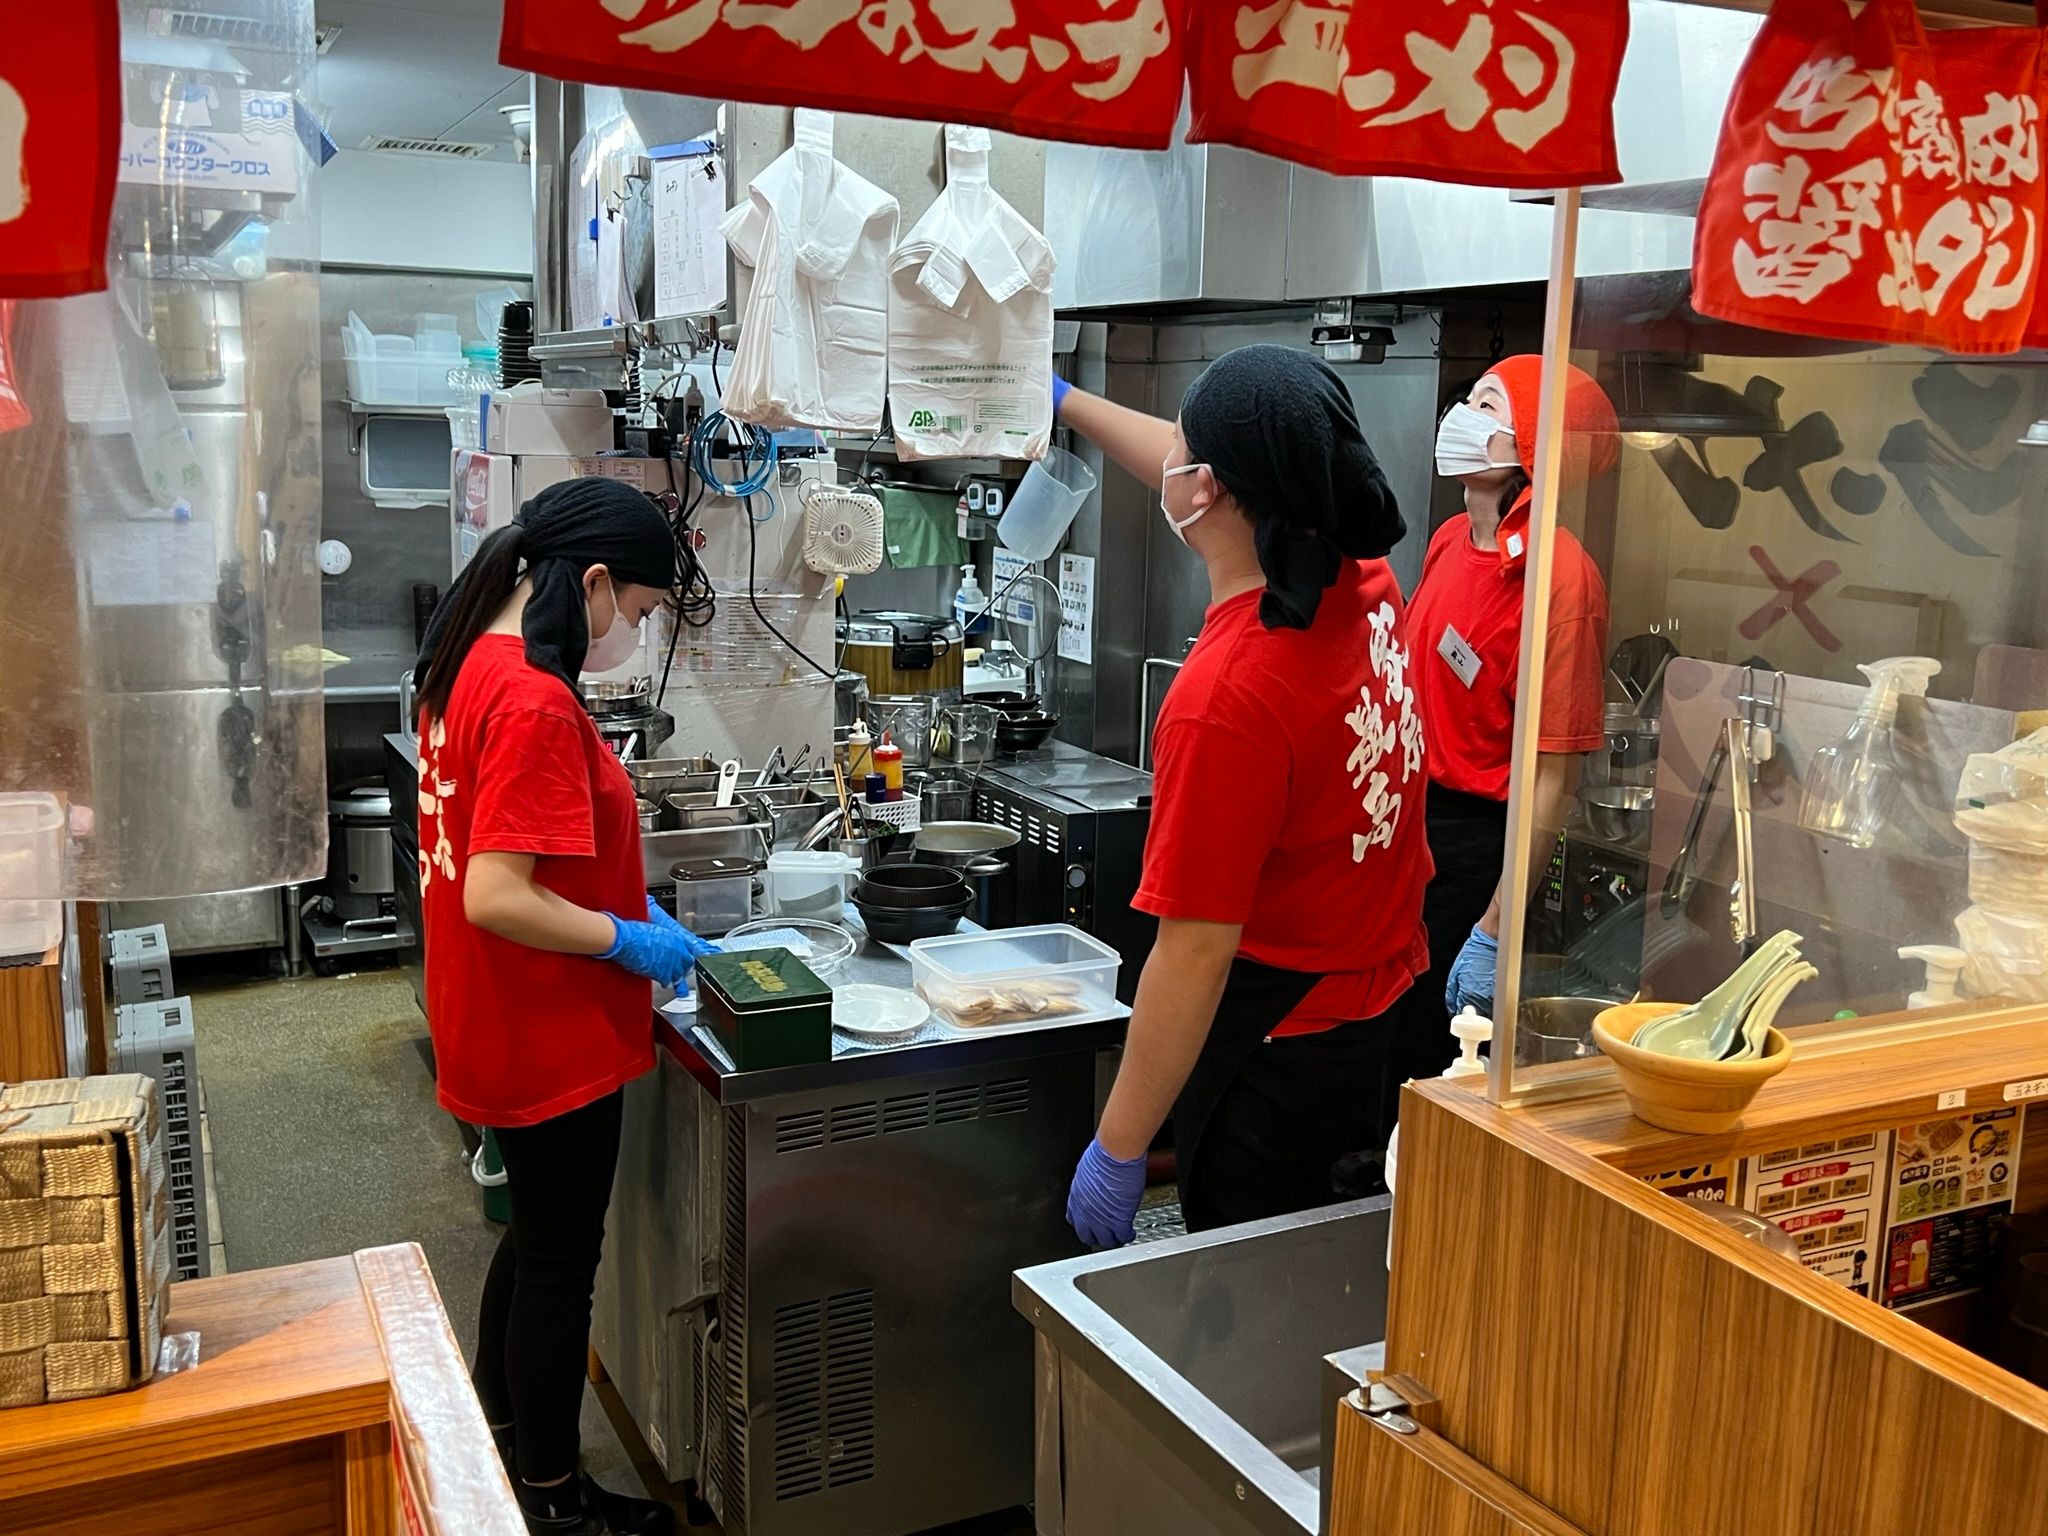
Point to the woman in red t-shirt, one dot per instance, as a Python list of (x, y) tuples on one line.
[(1285, 859), (1465, 619), (540, 943)]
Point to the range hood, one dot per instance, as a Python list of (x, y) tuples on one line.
[(1211, 227)]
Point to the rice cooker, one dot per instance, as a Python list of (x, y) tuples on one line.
[(901, 654)]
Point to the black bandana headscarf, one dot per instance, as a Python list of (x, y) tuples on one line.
[(561, 533), (1277, 428)]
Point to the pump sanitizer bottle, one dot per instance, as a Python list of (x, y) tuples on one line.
[(1473, 1030), (1851, 782), (968, 603)]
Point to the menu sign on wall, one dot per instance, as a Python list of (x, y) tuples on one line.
[(1711, 1183), (1828, 1197), (1949, 1178)]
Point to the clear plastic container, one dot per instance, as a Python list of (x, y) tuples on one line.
[(31, 873), (1016, 978), (1045, 505), (808, 884), (714, 896)]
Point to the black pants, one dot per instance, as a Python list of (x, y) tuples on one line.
[(533, 1330), (1261, 1121), (1467, 839)]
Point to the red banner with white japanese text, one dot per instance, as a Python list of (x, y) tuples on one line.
[(1876, 183), (1518, 93), (60, 130), (1091, 71)]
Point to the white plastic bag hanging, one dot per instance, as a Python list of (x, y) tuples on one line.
[(815, 332), (970, 322)]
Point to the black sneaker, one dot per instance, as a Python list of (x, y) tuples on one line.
[(559, 1509), (627, 1516), (580, 1507)]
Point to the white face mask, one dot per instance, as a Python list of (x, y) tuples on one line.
[(615, 647), (1462, 438), (1179, 525)]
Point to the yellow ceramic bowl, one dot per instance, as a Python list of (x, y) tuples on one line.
[(1674, 1094)]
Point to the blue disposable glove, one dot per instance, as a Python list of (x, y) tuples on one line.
[(1060, 389), (1102, 1204), (661, 954), (1471, 979), (661, 917)]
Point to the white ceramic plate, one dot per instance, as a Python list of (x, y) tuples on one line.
[(869, 1012)]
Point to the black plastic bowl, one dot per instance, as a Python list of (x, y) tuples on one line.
[(906, 925), (1020, 733), (905, 887), (1007, 703)]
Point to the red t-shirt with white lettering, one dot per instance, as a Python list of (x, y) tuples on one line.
[(1478, 594), (1288, 796), (522, 1035)]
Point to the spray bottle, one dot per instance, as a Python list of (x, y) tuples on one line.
[(1851, 783)]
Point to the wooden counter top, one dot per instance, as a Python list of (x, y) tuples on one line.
[(304, 1414), (1834, 1085), (284, 1355)]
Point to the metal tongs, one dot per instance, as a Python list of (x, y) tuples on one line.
[(1750, 740)]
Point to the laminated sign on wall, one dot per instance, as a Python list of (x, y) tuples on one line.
[(970, 322), (1878, 182), (1507, 95), (1090, 71), (1828, 1197), (60, 131)]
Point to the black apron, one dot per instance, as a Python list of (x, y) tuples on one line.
[(1261, 1121), (1468, 837)]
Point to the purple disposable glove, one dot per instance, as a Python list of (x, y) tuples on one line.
[(1102, 1203)]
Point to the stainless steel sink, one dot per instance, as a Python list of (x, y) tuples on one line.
[(1181, 1386)]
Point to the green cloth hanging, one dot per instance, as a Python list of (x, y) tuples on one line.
[(921, 528)]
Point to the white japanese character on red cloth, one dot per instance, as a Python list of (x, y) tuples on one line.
[(675, 31), (1834, 101), (1927, 144), (437, 849), (1817, 236), (1133, 42), (2004, 141), (1308, 48), (806, 23), (1378, 735), (2006, 279), (981, 22)]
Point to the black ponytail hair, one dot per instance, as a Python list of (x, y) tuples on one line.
[(464, 613)]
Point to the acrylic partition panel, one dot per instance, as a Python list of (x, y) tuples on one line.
[(1779, 513), (159, 600)]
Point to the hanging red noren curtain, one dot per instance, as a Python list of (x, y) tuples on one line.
[(60, 135), (1874, 182), (1090, 71), (1501, 93)]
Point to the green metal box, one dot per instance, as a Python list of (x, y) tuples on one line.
[(767, 1008)]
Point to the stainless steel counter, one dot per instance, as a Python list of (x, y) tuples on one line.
[(804, 1299), (1183, 1388)]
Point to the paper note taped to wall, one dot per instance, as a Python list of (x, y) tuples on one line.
[(689, 252), (144, 561)]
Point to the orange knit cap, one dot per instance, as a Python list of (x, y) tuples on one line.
[(1591, 443)]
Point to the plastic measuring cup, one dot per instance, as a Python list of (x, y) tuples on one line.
[(1045, 505), (31, 873)]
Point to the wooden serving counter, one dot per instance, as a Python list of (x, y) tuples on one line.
[(1572, 1350), (327, 1397)]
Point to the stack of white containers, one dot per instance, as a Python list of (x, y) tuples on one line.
[(2002, 808), (401, 370)]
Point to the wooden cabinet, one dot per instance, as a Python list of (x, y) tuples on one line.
[(1630, 1367), (302, 1417)]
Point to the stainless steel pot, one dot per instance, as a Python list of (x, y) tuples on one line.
[(1620, 813), (971, 847)]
